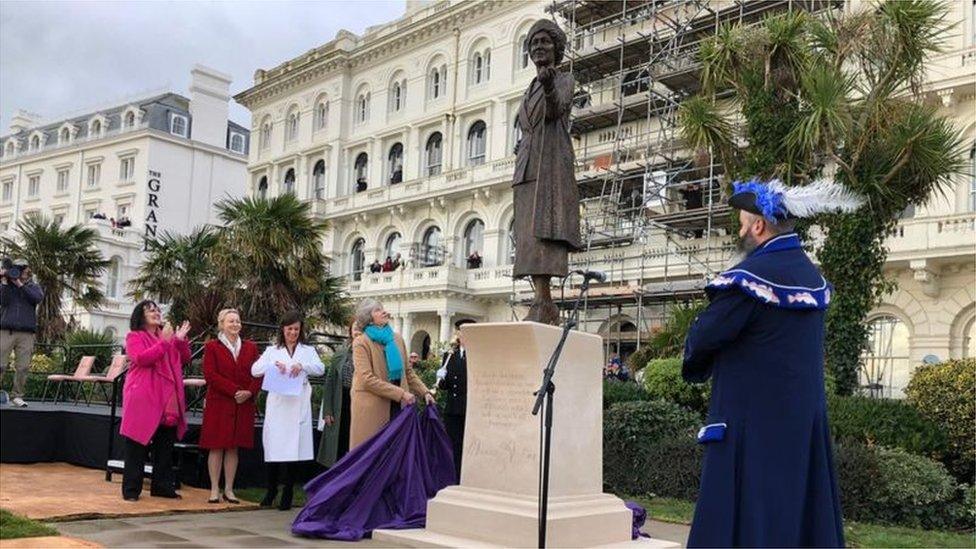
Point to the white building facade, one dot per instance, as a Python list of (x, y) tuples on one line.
[(402, 139), (130, 171)]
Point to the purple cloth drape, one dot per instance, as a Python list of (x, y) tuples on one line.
[(640, 517), (383, 483)]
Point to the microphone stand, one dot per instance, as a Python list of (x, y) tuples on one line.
[(545, 393)]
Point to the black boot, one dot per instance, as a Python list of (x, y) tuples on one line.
[(287, 492), (272, 493)]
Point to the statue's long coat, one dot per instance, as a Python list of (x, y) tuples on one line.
[(546, 197), (771, 481)]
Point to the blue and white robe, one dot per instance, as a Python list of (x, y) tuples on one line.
[(771, 480)]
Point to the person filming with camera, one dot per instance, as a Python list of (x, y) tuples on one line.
[(19, 297)]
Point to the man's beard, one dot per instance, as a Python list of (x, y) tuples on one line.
[(744, 246)]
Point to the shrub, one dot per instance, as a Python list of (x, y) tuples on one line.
[(674, 468), (617, 391), (662, 379), (885, 422), (630, 432), (892, 486), (946, 394), (83, 342)]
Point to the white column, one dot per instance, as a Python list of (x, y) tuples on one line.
[(406, 329), (492, 248), (411, 155), (445, 325)]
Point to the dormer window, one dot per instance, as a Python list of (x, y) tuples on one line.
[(178, 125), (96, 128), (130, 120), (64, 136), (237, 142), (10, 147), (35, 143)]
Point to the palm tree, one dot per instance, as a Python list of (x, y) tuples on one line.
[(179, 270), (834, 96), (272, 249), (66, 263)]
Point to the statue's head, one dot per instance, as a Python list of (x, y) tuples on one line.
[(547, 43)]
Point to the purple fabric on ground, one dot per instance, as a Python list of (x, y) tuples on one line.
[(383, 483), (640, 517)]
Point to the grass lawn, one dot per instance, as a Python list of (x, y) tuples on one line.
[(14, 526), (858, 534), (256, 494)]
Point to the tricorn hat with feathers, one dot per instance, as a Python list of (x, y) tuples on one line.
[(776, 202)]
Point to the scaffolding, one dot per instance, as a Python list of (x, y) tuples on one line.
[(645, 197)]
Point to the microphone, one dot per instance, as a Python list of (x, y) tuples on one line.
[(592, 275)]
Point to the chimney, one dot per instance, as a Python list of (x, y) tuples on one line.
[(24, 120), (209, 96)]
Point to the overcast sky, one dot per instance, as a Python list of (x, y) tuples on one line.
[(60, 57)]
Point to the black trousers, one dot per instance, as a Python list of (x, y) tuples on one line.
[(345, 419), (282, 472), (454, 425), (161, 448)]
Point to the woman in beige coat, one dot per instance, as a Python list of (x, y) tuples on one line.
[(376, 396)]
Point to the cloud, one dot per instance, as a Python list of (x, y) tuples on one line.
[(61, 57)]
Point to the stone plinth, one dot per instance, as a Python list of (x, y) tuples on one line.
[(496, 502)]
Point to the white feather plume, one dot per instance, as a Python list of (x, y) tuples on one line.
[(821, 196)]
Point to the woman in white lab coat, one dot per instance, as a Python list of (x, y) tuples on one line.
[(287, 433)]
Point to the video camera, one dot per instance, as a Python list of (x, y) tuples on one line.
[(12, 270)]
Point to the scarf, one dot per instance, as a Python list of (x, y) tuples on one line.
[(384, 336), (234, 348)]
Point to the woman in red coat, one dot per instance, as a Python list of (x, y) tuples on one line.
[(228, 415)]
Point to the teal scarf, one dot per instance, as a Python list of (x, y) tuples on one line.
[(384, 336)]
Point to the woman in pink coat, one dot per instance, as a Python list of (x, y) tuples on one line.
[(153, 400)]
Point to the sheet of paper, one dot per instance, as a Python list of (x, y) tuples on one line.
[(277, 382)]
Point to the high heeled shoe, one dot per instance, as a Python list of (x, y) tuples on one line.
[(286, 497), (269, 497)]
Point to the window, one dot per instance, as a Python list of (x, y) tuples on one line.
[(35, 143), (291, 132), (396, 97), (237, 142), (130, 120), (90, 213), (885, 366), (357, 259), (392, 246), (65, 136), (362, 108), (59, 219), (394, 163), (112, 277), (33, 185), (634, 82), (318, 179), (96, 128), (511, 242), (127, 169), (63, 176), (121, 212), (437, 82), (321, 114), (474, 242), (433, 154), (359, 171), (431, 254), (8, 190), (481, 67), (289, 184), (972, 172), (435, 90), (178, 125), (265, 135), (969, 339), (10, 147), (476, 144), (263, 187), (524, 52)]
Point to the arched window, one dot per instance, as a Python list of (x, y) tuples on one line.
[(10, 147), (96, 128), (511, 242), (65, 136), (392, 245), (362, 108), (394, 163), (433, 153), (523, 52), (289, 183), (292, 132), (318, 179), (481, 67), (435, 79), (437, 82), (321, 114), (885, 365), (476, 144), (35, 143), (431, 254), (265, 135), (114, 273), (396, 97), (969, 339), (474, 243), (130, 119), (237, 142), (359, 171), (357, 259), (263, 187)]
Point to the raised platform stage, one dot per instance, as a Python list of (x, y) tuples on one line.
[(78, 434)]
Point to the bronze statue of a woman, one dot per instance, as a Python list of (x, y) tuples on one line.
[(546, 206)]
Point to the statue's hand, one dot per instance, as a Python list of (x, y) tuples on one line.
[(547, 76)]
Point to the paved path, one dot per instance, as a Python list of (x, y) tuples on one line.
[(264, 528)]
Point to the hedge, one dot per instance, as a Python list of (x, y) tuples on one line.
[(631, 430), (674, 470), (946, 394), (662, 379), (622, 391), (885, 422)]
